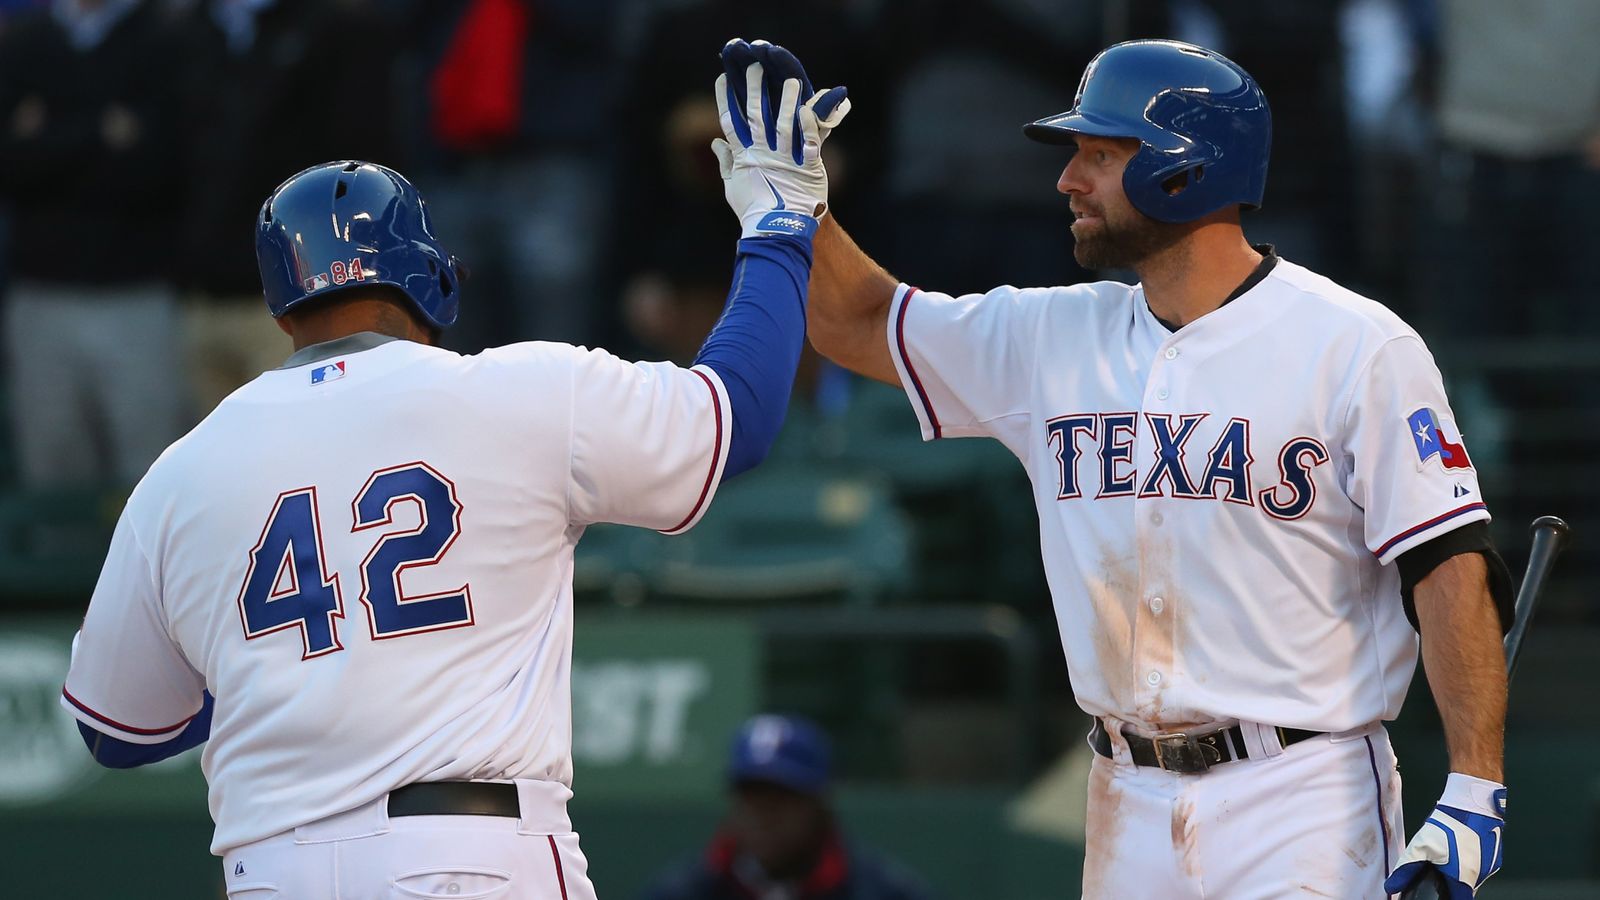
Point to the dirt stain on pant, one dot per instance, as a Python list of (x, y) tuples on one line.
[(1104, 828), (1185, 840), (1363, 852)]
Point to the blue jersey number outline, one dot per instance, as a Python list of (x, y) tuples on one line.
[(287, 584)]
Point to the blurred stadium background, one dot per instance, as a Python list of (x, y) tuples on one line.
[(1442, 156)]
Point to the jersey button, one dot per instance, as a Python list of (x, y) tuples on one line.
[(1156, 519), (1157, 605), (1161, 394), (1172, 353), (1153, 679)]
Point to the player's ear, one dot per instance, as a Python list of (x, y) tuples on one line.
[(283, 325)]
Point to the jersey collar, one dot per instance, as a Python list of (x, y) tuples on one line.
[(1269, 260), (354, 343)]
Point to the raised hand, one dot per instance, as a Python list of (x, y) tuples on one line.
[(773, 126)]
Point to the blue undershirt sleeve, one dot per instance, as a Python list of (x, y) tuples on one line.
[(755, 346), (115, 753)]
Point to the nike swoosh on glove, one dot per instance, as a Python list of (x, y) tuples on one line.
[(1462, 838), (773, 126)]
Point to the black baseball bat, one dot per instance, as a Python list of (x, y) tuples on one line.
[(1549, 537)]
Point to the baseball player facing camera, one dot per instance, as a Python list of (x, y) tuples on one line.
[(1252, 495), (352, 581)]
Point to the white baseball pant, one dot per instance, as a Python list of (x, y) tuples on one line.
[(1320, 818), (364, 854)]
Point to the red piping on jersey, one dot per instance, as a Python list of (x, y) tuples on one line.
[(900, 341), (561, 879), (716, 455), (118, 725), (1411, 532)]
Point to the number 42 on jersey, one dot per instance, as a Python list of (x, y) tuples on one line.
[(288, 584)]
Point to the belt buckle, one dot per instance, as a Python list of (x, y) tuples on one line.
[(1189, 755)]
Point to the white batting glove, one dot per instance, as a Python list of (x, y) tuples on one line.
[(771, 159), (1461, 839)]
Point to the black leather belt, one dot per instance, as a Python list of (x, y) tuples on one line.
[(455, 798), (1188, 754)]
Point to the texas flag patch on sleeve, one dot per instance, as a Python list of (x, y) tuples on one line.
[(1431, 441), (329, 372)]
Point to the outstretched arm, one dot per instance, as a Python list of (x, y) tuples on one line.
[(771, 164), (848, 316)]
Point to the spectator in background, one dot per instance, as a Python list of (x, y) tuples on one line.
[(8, 9), (1292, 50), (89, 168), (980, 218), (517, 100), (1519, 168), (667, 279), (780, 840), (274, 87), (1385, 45)]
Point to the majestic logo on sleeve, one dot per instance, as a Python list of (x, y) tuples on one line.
[(1431, 441)]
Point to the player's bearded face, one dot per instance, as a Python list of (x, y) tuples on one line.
[(1109, 232), (1116, 236)]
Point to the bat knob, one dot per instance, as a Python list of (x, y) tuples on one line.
[(1553, 523)]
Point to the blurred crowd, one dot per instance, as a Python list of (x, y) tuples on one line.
[(1440, 155)]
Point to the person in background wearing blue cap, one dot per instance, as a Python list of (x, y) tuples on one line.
[(780, 839)]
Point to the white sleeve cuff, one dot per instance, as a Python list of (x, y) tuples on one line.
[(110, 727), (1432, 528), (719, 451), (909, 380)]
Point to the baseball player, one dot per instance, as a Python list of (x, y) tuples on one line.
[(354, 577), (1251, 491)]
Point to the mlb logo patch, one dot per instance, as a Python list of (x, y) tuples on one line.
[(330, 372), (1432, 441), (316, 282)]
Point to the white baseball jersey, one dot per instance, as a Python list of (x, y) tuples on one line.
[(367, 559), (1218, 506)]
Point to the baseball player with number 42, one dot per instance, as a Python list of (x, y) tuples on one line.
[(1253, 498), (353, 580)]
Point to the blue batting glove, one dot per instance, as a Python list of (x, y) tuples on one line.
[(1462, 839)]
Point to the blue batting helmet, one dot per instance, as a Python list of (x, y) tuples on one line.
[(1204, 124), (350, 223), (784, 750)]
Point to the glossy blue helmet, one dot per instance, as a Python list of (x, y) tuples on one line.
[(347, 224), (1204, 124)]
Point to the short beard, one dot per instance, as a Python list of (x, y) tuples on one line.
[(1127, 244)]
